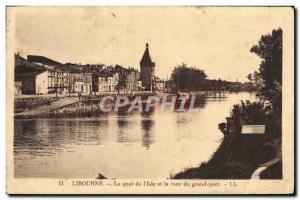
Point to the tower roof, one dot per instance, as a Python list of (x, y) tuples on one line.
[(146, 59)]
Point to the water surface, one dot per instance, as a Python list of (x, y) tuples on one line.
[(152, 145)]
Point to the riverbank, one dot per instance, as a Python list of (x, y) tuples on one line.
[(93, 105), (238, 158)]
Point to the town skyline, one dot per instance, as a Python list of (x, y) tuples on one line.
[(112, 37)]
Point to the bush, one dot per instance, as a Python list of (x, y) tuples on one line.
[(249, 113)]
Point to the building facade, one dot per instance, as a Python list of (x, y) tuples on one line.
[(107, 82), (41, 83), (113, 81), (103, 82), (79, 88), (81, 83), (41, 75), (87, 82), (58, 81), (58, 77), (159, 84), (132, 80), (30, 78)]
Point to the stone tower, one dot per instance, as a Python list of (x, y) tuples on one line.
[(147, 70)]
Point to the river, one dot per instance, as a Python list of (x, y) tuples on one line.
[(154, 146)]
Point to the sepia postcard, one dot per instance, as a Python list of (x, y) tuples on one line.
[(150, 100)]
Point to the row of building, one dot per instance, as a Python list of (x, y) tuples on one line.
[(41, 75)]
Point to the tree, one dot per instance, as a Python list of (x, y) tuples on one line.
[(187, 78), (269, 49), (249, 77), (256, 77)]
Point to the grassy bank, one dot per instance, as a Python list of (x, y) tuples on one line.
[(236, 158)]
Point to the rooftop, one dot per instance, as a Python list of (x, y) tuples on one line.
[(29, 69), (146, 59), (43, 60)]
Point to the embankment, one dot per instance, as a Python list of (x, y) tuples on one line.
[(236, 158)]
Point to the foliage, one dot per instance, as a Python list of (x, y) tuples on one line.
[(224, 170), (187, 78), (223, 127), (256, 77), (249, 77), (249, 113), (269, 49), (216, 85)]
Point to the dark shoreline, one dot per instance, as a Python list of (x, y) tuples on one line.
[(237, 158)]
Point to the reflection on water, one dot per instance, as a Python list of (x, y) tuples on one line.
[(147, 138), (120, 145)]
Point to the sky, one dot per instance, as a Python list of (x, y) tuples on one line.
[(216, 40)]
